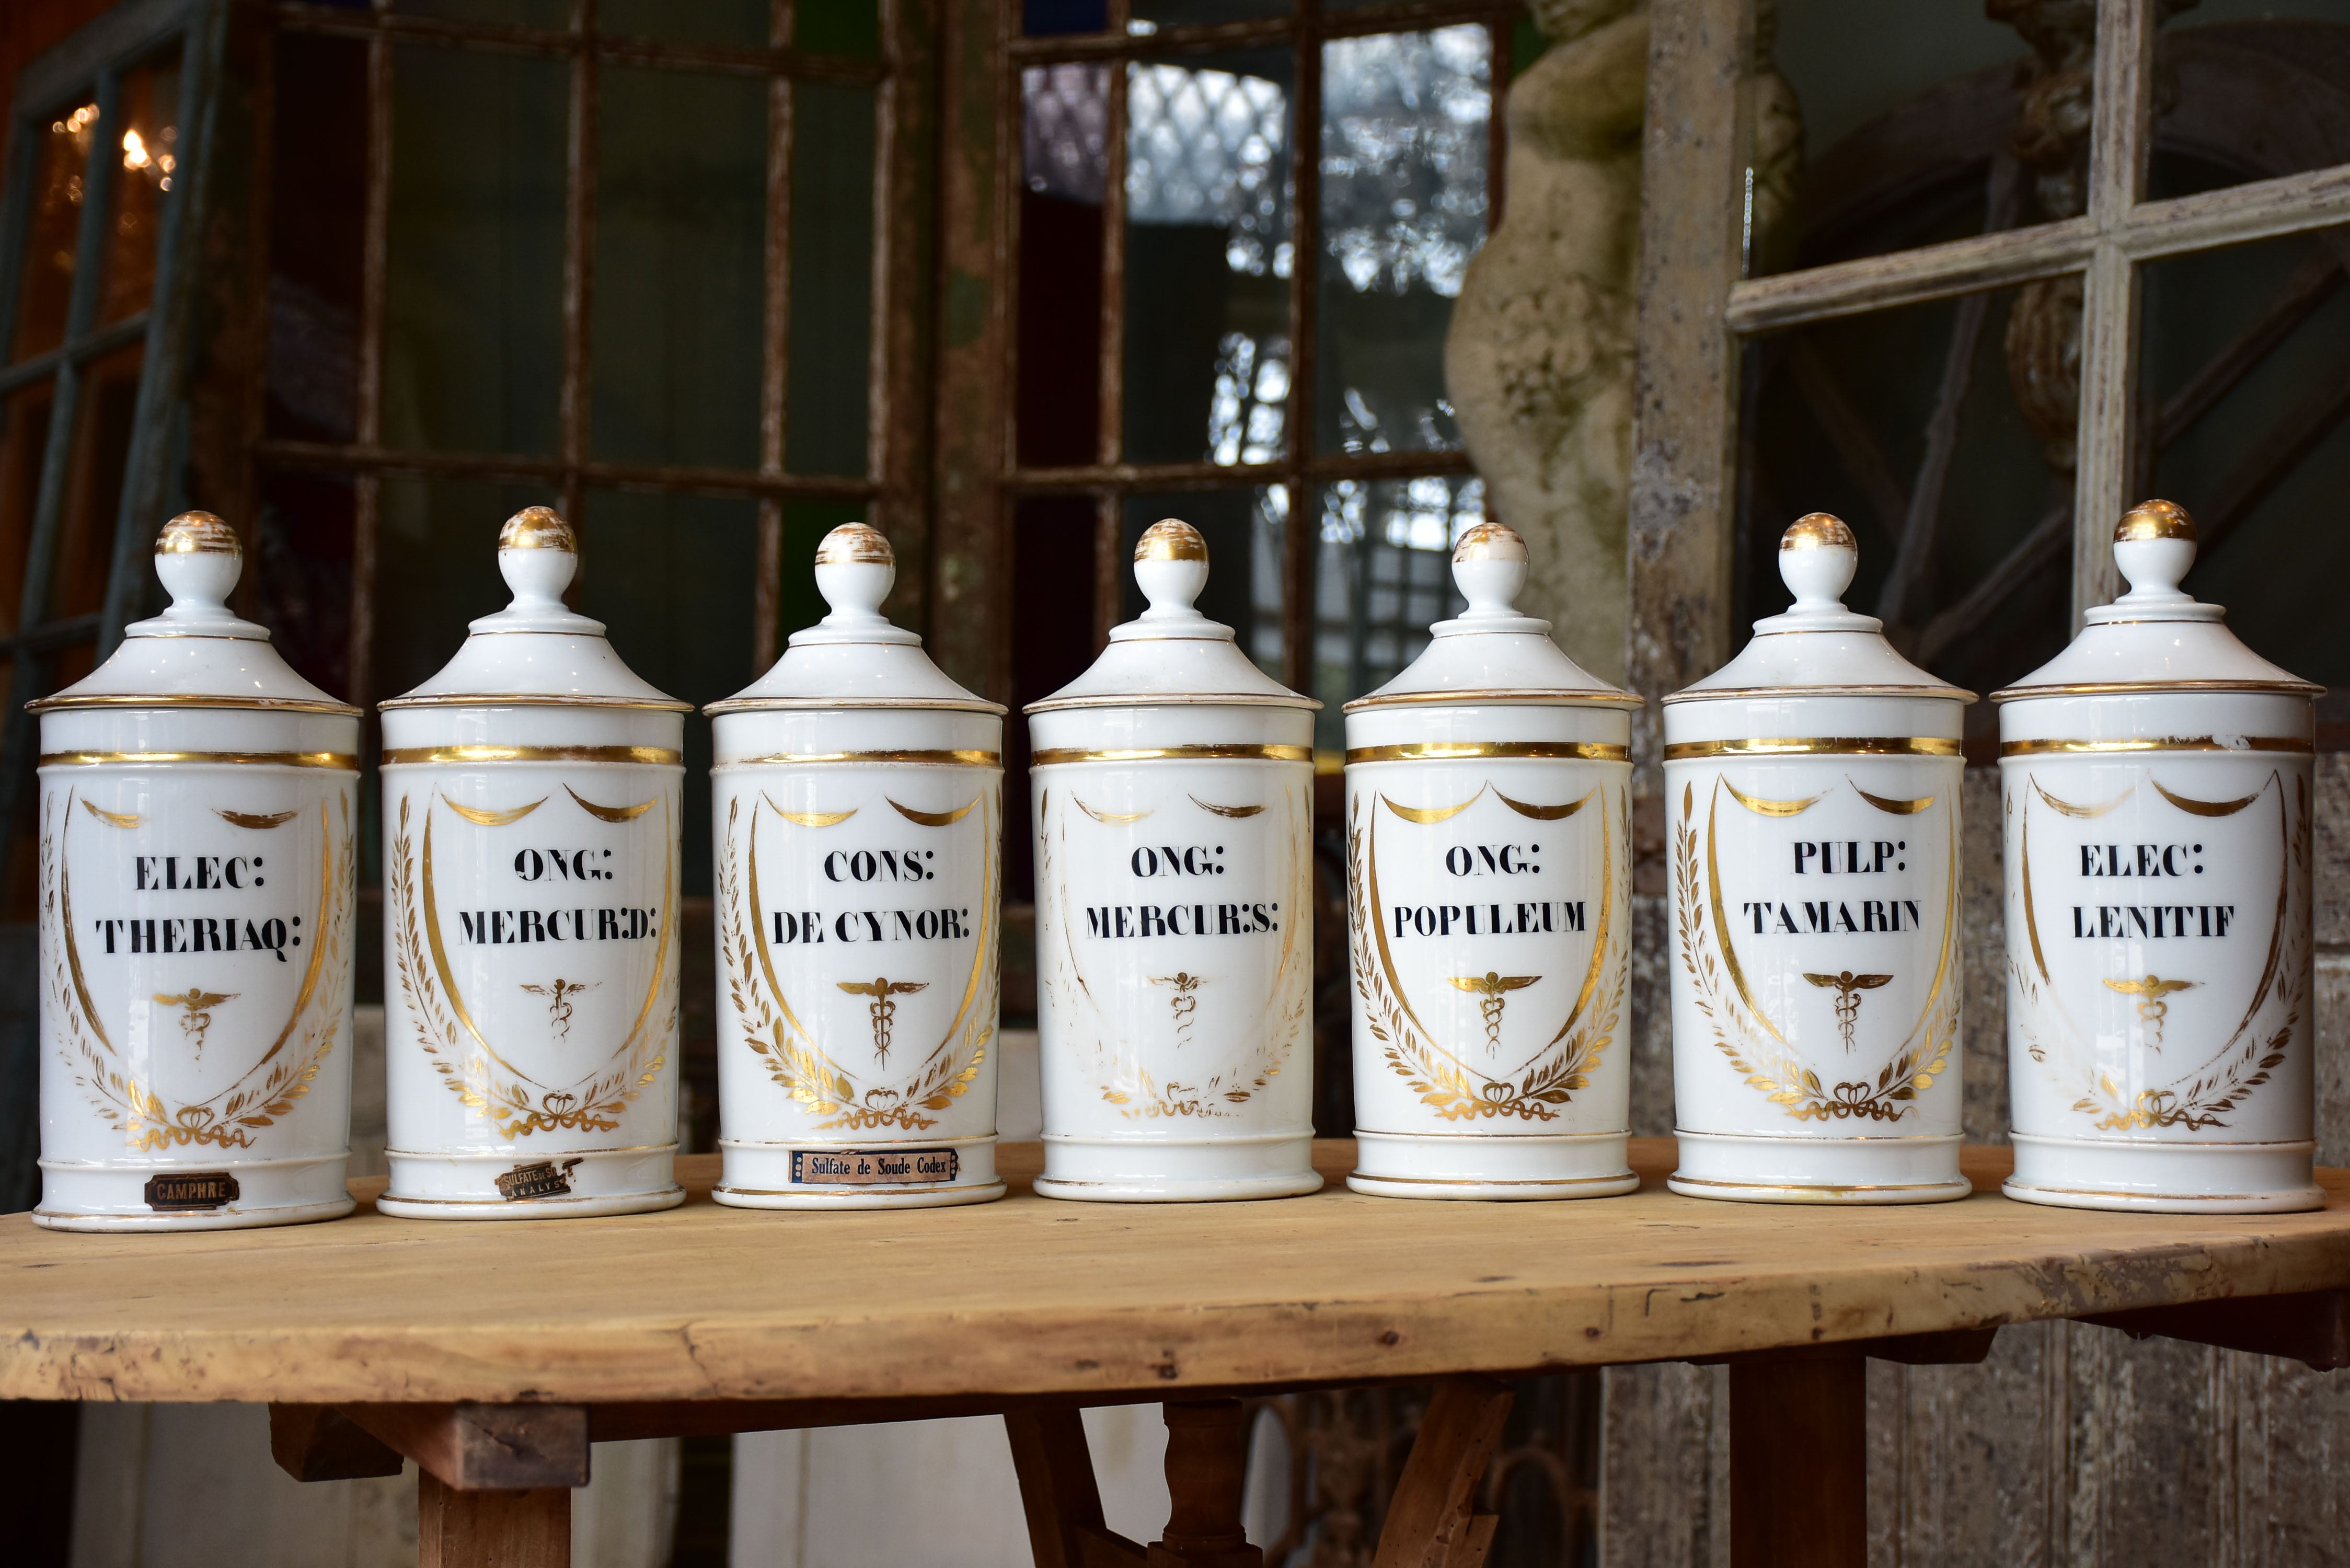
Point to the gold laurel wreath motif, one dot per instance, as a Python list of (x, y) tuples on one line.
[(1449, 1087), (469, 1067), (229, 1119), (2246, 1060), (1782, 1077), (1139, 1095), (798, 1065)]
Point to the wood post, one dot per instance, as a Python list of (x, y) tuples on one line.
[(1429, 1523), (1799, 1462), (1207, 1466), (492, 1529)]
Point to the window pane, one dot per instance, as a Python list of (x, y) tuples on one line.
[(437, 569), (1154, 14), (680, 227), (1038, 17), (1383, 574), (1208, 257), (1404, 138), (832, 278), (318, 218), (742, 23), (301, 575), (1245, 531), (549, 14), (850, 27), (1944, 435), (675, 577), (101, 445), (473, 350), (24, 435), (1064, 128), (2255, 90), (57, 168), (2242, 368), (147, 145), (1883, 123)]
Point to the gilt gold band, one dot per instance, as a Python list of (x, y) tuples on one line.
[(1453, 751), (411, 756), (1054, 756), (1828, 745), (344, 762), (961, 759), (2161, 744)]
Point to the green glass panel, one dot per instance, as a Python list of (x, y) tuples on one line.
[(850, 27), (742, 23), (553, 15), (832, 278)]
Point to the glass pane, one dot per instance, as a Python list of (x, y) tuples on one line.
[(1404, 138), (1382, 577), (1052, 588), (1208, 257), (317, 220), (680, 253), (24, 435), (2242, 368), (473, 344), (850, 27), (437, 569), (1038, 17), (102, 446), (739, 22), (2250, 91), (832, 278), (1064, 124), (1879, 131), (676, 579), (1943, 433), (1244, 530), (302, 574), (47, 287), (148, 145), (1150, 16), (555, 14)]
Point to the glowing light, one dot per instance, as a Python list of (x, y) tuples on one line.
[(134, 150)]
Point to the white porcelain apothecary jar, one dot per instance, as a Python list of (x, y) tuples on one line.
[(1489, 884), (532, 792), (1811, 790), (2154, 781), (196, 904), (1174, 818), (857, 795)]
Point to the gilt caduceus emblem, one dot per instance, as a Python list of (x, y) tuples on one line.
[(195, 1012), (1184, 1002), (1848, 987), (1493, 986), (884, 1007), (558, 1003), (2153, 1001)]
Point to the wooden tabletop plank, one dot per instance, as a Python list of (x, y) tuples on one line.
[(1031, 1296)]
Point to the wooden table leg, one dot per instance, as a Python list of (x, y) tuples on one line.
[(1799, 1462), (1207, 1468), (1431, 1522), (492, 1529), (1060, 1494)]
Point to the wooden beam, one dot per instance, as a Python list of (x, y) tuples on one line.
[(2312, 1327), (1430, 1523), (318, 1442), (485, 1448), (1684, 449), (1059, 1493), (458, 1529), (1799, 1462)]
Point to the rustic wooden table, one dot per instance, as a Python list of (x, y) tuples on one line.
[(493, 1354)]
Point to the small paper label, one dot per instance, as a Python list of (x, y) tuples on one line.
[(540, 1178), (873, 1166), (185, 1192)]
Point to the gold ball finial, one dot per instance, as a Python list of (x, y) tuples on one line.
[(1170, 539), (197, 533), (1489, 541), (1818, 531), (2155, 520), (537, 528), (855, 542)]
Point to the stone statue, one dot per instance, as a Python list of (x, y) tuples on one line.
[(1539, 360)]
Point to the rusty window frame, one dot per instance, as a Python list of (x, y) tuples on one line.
[(892, 433), (1109, 479)]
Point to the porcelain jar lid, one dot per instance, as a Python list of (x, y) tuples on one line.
[(198, 653), (2157, 637), (854, 657), (1171, 654), (536, 651), (1491, 653), (1817, 647)]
